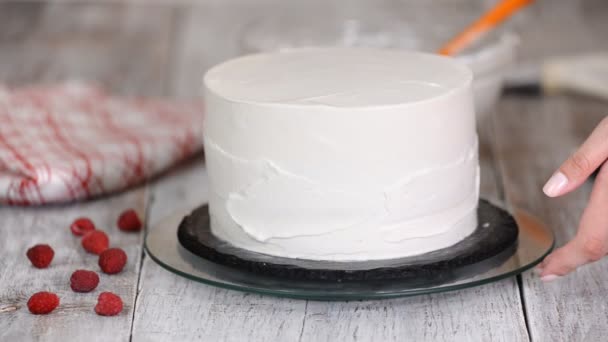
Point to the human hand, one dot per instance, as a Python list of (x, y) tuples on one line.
[(591, 240)]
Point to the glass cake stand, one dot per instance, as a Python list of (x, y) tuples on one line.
[(534, 242)]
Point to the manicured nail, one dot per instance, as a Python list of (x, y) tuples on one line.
[(549, 277), (555, 185)]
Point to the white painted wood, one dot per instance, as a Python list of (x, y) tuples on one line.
[(486, 313), (125, 49), (137, 49), (573, 308), (172, 308), (75, 319), (533, 137)]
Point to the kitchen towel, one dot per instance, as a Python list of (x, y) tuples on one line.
[(72, 141)]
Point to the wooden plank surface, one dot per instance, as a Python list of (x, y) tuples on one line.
[(485, 313), (75, 319), (126, 49), (160, 50), (572, 308), (123, 47), (170, 308), (533, 137)]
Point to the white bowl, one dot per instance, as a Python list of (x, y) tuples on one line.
[(489, 65)]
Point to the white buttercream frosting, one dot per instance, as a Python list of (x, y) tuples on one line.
[(341, 153)]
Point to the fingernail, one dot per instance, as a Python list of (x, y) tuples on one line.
[(538, 271), (549, 277), (556, 184)]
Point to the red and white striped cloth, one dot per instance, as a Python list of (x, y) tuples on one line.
[(73, 141)]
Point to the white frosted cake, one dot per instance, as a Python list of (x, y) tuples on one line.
[(341, 153)]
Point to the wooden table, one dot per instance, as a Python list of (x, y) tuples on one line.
[(163, 49)]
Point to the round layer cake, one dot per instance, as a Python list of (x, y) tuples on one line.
[(341, 153)]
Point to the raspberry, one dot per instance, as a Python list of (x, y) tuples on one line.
[(95, 241), (84, 281), (42, 303), (40, 255), (112, 260), (81, 226), (129, 221), (108, 304)]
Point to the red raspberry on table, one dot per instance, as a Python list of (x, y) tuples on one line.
[(40, 255), (95, 242), (84, 281), (82, 226), (128, 221), (42, 303), (108, 304), (112, 260)]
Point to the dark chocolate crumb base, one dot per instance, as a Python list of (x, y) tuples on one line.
[(494, 238)]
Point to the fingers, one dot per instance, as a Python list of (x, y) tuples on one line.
[(591, 241), (561, 262), (581, 164)]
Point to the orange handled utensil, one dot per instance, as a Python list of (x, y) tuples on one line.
[(496, 15)]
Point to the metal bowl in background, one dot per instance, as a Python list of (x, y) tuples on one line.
[(422, 29)]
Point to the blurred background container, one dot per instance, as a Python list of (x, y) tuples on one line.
[(416, 25), (213, 31)]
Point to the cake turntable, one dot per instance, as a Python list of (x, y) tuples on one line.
[(502, 246), (344, 173)]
